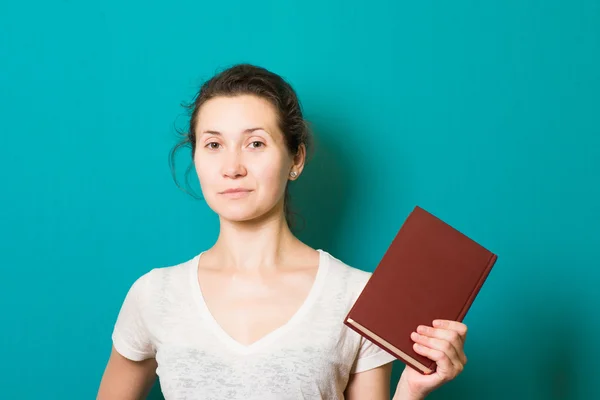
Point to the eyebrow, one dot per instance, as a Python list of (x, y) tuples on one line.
[(245, 132)]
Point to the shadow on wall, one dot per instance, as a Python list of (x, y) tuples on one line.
[(155, 394), (541, 351), (319, 198)]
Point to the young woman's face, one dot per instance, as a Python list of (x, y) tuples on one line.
[(241, 159)]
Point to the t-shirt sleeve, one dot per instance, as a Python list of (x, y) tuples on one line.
[(130, 336), (370, 356)]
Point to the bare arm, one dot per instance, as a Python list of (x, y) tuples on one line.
[(124, 379)]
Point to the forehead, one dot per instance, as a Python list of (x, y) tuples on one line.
[(237, 113)]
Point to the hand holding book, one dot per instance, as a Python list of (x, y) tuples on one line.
[(442, 342)]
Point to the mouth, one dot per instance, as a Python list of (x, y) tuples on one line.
[(237, 190), (235, 193)]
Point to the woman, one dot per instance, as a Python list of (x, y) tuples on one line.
[(259, 314)]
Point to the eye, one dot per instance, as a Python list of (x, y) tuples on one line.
[(212, 145), (256, 144)]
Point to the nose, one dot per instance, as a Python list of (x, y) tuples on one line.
[(233, 166)]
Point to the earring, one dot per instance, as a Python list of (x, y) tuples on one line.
[(293, 174)]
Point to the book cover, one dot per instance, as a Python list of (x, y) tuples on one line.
[(430, 271)]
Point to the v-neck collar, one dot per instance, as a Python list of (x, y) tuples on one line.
[(274, 334)]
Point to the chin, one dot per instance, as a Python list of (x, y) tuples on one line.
[(237, 217), (241, 214)]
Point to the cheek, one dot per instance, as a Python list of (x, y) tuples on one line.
[(273, 175), (206, 171)]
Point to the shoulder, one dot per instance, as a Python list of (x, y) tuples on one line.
[(351, 279), (159, 280)]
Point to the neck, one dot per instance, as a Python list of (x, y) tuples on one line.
[(255, 245)]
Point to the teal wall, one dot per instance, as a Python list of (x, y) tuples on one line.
[(485, 113)]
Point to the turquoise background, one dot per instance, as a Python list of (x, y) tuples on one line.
[(484, 113)]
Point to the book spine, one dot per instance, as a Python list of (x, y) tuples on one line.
[(477, 288)]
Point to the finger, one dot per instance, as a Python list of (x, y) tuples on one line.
[(445, 334), (445, 368), (440, 345), (457, 326)]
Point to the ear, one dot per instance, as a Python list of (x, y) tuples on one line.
[(298, 161)]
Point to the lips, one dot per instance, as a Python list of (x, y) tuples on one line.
[(235, 190)]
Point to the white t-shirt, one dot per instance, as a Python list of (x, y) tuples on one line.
[(310, 357)]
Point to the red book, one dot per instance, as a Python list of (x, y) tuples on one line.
[(430, 271)]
